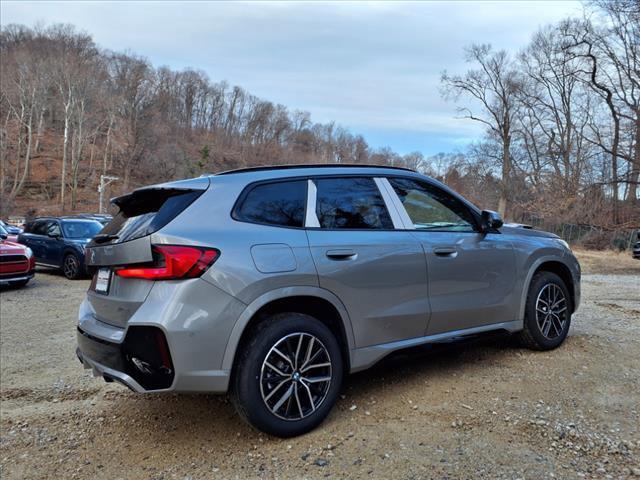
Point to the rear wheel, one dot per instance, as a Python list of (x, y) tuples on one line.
[(288, 375), (71, 267), (547, 312)]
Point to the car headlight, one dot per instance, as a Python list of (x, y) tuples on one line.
[(563, 243), (28, 252)]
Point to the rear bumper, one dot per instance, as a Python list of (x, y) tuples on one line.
[(109, 374), (195, 318), (142, 362), (114, 362)]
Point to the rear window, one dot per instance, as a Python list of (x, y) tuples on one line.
[(147, 211), (76, 229), (279, 203), (351, 202)]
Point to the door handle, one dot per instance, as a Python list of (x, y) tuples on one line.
[(342, 254), (448, 252)]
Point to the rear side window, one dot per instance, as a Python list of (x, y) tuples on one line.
[(351, 203), (147, 211), (280, 203), (39, 227)]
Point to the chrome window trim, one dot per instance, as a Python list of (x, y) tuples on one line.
[(401, 219), (311, 218)]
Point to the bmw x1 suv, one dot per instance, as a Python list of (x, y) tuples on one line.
[(274, 283)]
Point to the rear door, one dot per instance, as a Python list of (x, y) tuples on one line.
[(126, 240), (471, 274), (33, 237), (378, 272)]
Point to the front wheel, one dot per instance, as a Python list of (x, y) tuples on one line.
[(288, 375), (547, 312), (71, 267)]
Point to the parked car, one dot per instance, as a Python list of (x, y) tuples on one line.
[(273, 283), (103, 218), (59, 242), (12, 231), (17, 263), (636, 248)]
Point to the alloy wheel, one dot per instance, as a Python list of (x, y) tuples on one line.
[(295, 376), (70, 267), (551, 311)]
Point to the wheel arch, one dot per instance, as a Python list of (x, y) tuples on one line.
[(314, 301), (551, 264)]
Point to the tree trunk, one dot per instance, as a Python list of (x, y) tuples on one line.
[(614, 170), (27, 158), (106, 148), (65, 142), (634, 174), (506, 174)]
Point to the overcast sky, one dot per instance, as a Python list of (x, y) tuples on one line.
[(373, 67)]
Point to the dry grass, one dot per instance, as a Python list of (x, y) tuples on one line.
[(607, 262)]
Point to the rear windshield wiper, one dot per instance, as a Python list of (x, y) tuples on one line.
[(104, 237)]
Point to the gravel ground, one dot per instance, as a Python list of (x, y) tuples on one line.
[(480, 409)]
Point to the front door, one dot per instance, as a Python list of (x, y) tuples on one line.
[(379, 273), (53, 244), (471, 274)]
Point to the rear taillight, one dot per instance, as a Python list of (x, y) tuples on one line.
[(172, 262)]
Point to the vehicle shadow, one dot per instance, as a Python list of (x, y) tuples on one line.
[(193, 419)]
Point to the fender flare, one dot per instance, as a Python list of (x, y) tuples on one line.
[(277, 294), (530, 271)]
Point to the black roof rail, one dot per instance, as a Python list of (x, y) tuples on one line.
[(311, 165), (61, 217)]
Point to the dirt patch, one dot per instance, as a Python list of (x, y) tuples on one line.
[(481, 409), (607, 262)]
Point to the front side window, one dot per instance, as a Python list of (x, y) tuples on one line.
[(279, 203), (430, 208), (351, 202), (53, 229)]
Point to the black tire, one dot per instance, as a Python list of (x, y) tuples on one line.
[(72, 266), (250, 375), (537, 318)]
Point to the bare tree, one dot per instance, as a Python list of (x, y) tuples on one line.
[(494, 86), (619, 44)]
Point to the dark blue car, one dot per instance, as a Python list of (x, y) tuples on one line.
[(58, 242)]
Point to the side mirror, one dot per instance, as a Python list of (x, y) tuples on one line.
[(491, 220), (3, 236)]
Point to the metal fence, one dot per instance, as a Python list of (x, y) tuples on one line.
[(590, 236)]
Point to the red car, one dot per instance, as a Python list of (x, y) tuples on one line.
[(17, 263)]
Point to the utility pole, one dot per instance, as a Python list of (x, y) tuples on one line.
[(104, 181)]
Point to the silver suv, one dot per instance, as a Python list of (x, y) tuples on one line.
[(273, 283)]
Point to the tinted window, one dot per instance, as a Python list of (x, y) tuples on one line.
[(280, 203), (146, 211), (38, 227), (351, 203), (80, 229), (430, 208)]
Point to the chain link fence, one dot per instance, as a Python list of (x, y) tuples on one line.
[(590, 236)]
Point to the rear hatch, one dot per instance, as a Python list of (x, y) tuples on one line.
[(126, 241)]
